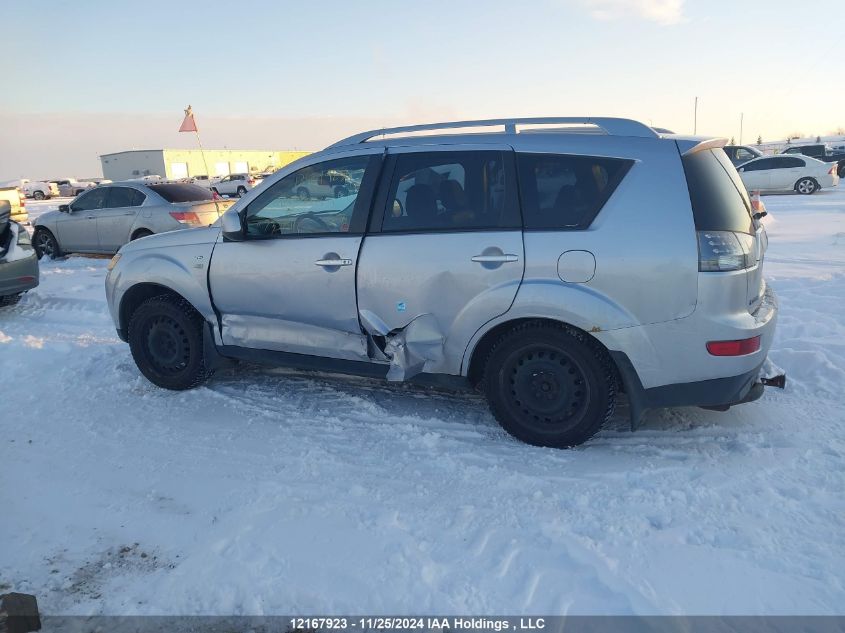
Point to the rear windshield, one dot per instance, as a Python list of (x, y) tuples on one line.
[(182, 192), (719, 199)]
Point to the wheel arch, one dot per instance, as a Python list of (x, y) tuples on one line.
[(481, 350), (136, 295)]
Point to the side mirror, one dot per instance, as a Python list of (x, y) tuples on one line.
[(233, 229), (64, 208)]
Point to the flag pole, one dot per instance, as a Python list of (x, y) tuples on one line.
[(202, 152)]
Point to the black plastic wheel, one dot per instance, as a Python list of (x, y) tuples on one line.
[(549, 385), (165, 337), (45, 243)]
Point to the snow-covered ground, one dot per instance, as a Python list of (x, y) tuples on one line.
[(277, 492)]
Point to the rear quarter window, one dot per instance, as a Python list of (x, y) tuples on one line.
[(176, 192), (566, 192), (719, 199)]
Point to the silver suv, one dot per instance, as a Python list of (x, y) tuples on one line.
[(550, 263)]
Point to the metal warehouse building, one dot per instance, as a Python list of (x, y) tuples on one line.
[(185, 163)]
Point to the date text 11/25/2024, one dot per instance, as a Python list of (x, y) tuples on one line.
[(406, 623)]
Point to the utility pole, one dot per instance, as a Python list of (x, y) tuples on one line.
[(695, 117), (741, 115)]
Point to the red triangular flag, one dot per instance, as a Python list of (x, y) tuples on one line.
[(188, 124)]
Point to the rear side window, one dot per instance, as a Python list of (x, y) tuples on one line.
[(719, 199), (182, 192), (443, 191), (566, 192), (124, 197)]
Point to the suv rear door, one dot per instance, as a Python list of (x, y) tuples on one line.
[(444, 254)]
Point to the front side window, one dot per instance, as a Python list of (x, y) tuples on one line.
[(321, 198), (566, 192), (443, 191), (91, 200), (744, 154)]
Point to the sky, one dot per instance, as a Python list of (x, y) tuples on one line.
[(88, 77)]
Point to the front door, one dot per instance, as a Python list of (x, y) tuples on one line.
[(290, 286), (78, 231), (444, 257)]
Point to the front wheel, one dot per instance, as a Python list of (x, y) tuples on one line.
[(549, 385), (45, 244), (165, 337), (806, 186)]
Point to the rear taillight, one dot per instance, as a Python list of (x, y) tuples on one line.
[(185, 217), (832, 170), (251, 181), (722, 251), (22, 199), (734, 348)]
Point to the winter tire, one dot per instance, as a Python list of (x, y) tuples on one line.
[(549, 385), (165, 338), (45, 244), (806, 186)]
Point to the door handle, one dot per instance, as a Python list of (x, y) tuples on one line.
[(90, 217), (495, 259), (331, 263)]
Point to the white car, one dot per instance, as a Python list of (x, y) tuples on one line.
[(70, 187), (235, 184), (788, 173), (37, 189)]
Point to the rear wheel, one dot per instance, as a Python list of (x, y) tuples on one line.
[(38, 195), (549, 385), (165, 337), (45, 244), (241, 192), (806, 186), (141, 233)]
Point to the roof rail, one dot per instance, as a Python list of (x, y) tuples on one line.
[(610, 125)]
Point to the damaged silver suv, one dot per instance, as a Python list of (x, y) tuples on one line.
[(550, 263)]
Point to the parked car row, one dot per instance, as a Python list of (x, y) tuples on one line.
[(793, 170), (103, 219)]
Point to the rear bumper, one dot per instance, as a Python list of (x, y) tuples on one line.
[(716, 393)]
